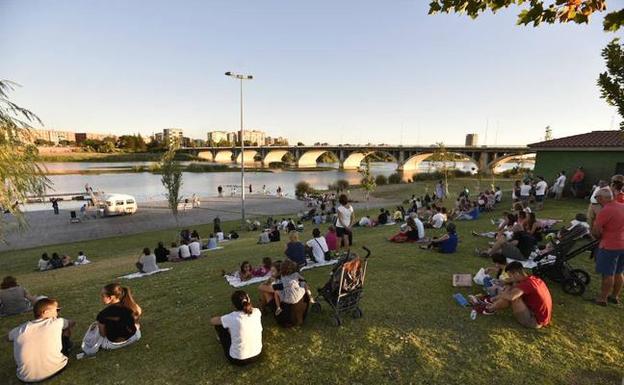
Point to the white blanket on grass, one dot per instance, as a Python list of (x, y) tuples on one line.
[(207, 250), (141, 275), (235, 281), (528, 264)]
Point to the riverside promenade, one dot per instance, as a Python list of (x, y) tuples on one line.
[(48, 229)]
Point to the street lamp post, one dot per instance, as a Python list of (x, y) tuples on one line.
[(241, 77)]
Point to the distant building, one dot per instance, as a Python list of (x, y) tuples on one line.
[(52, 136), (232, 137), (254, 137), (173, 133), (598, 152), (82, 136), (472, 140), (159, 137), (215, 137)]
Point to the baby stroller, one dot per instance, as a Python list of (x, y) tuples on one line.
[(344, 289), (556, 266)]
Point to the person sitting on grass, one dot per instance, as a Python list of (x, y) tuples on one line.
[(382, 218), (14, 299), (147, 262), (55, 261), (446, 244), (366, 221), (263, 238), (41, 346), (195, 248), (263, 269), (266, 288), (117, 325), (295, 250), (240, 332), (66, 261), (245, 273), (437, 219), (398, 215), (331, 238), (161, 253), (469, 215), (213, 242), (184, 253), (291, 290), (317, 246), (528, 297), (412, 232), (496, 278), (174, 252), (274, 234), (519, 247), (44, 262)]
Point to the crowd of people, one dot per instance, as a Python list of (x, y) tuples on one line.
[(41, 346)]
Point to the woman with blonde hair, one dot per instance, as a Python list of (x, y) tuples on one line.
[(295, 250), (117, 325)]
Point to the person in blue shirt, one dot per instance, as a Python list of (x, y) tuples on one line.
[(446, 244), (295, 250)]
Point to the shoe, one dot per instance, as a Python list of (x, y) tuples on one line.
[(613, 300), (488, 312), (278, 311)]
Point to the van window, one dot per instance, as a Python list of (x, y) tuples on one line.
[(119, 203), (130, 202)]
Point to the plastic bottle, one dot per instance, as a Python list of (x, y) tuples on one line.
[(473, 314)]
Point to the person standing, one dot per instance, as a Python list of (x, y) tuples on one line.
[(250, 189), (609, 228), (40, 346), (576, 183), (55, 206), (344, 222), (220, 191), (559, 185), (540, 191)]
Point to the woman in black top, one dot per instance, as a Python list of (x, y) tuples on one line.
[(117, 324), (161, 253)]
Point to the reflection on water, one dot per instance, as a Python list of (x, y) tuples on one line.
[(148, 187)]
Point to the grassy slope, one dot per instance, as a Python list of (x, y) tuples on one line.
[(411, 332)]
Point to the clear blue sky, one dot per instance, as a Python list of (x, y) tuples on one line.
[(337, 71)]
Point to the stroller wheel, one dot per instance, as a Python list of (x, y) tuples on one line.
[(357, 313), (581, 275), (574, 286), (316, 307), (336, 320)]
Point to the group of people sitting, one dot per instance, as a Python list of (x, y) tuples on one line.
[(56, 262), (41, 346)]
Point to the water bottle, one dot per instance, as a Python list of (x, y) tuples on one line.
[(473, 314), (487, 282)]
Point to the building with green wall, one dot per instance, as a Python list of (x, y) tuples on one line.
[(600, 153)]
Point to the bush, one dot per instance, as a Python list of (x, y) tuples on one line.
[(302, 188), (342, 184), (381, 180), (395, 178)]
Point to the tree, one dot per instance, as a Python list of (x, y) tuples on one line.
[(611, 82), (171, 178), (368, 181), (536, 11), (20, 169), (441, 157)]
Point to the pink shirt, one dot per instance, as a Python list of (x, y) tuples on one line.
[(610, 220), (332, 241)]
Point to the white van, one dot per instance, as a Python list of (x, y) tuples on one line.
[(119, 204)]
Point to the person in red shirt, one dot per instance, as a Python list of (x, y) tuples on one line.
[(609, 228), (529, 298), (577, 182)]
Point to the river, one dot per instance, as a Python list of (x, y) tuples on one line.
[(146, 187)]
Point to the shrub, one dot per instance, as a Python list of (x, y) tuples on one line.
[(381, 180), (302, 188), (395, 178), (342, 184)]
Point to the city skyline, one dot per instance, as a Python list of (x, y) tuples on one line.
[(360, 73)]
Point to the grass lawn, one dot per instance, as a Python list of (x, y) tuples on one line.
[(412, 331)]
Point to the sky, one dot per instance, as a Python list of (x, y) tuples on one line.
[(353, 71)]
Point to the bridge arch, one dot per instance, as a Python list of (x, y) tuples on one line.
[(506, 159), (412, 163), (223, 156), (353, 161), (250, 156), (274, 156), (207, 155), (308, 158)]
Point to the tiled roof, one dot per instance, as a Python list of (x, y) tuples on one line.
[(613, 138)]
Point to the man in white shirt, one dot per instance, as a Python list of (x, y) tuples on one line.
[(38, 345), (498, 195), (437, 220), (559, 185), (318, 245), (365, 222), (420, 227), (195, 249), (525, 192), (540, 190), (344, 222), (184, 250)]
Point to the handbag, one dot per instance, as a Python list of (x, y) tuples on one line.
[(327, 253)]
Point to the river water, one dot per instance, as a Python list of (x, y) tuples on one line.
[(146, 187)]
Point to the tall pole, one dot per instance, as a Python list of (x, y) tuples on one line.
[(242, 140)]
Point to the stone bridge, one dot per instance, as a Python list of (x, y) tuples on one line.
[(350, 157)]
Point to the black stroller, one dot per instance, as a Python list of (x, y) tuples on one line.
[(344, 289), (556, 266)]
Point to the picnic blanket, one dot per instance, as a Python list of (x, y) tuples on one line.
[(141, 275), (207, 250), (235, 281), (527, 264)]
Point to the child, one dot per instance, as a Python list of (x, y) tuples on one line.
[(44, 262), (245, 273), (494, 282), (291, 287), (264, 269)]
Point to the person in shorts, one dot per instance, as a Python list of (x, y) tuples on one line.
[(609, 228), (528, 297), (344, 222)]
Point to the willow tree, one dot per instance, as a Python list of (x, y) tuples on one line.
[(20, 170), (368, 181), (171, 178), (440, 158)]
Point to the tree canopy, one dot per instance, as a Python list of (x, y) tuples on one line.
[(536, 11), (611, 82)]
